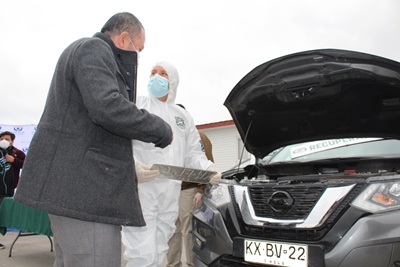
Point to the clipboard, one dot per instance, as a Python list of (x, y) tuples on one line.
[(183, 174)]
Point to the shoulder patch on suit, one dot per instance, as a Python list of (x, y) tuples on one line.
[(180, 122)]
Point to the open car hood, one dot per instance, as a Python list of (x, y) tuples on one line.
[(316, 95)]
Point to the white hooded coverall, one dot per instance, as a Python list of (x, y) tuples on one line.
[(148, 245)]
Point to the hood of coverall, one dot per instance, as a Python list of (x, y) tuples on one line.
[(173, 79)]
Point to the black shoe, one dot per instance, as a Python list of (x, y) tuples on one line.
[(2, 246)]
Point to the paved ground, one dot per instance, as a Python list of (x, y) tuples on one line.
[(28, 251), (32, 251)]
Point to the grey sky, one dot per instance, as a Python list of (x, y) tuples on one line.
[(213, 43)]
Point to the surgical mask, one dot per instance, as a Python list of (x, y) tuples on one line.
[(158, 86), (4, 144)]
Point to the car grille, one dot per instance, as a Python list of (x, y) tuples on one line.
[(304, 200), (288, 232), (230, 261)]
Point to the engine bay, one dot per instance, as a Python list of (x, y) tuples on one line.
[(320, 171)]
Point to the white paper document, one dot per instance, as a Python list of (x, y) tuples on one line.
[(183, 174)]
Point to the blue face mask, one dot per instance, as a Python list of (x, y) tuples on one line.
[(158, 86)]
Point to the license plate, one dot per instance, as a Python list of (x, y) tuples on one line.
[(276, 253)]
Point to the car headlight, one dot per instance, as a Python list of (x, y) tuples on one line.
[(219, 195), (379, 197)]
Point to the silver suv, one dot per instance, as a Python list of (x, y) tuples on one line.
[(325, 188)]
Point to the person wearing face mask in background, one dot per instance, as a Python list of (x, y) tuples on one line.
[(159, 197), (11, 162), (79, 166)]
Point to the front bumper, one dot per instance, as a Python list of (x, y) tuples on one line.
[(372, 241)]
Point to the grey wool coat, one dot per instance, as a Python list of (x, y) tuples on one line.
[(80, 162)]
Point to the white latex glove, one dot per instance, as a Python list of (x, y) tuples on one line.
[(217, 177), (144, 174)]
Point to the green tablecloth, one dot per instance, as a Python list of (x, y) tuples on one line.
[(25, 218)]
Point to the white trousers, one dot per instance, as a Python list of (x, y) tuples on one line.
[(148, 245)]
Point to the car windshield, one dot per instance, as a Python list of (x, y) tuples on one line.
[(339, 148)]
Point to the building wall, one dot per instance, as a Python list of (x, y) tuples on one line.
[(225, 144)]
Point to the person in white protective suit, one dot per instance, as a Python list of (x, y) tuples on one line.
[(159, 197)]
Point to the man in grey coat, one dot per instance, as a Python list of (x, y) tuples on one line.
[(80, 166)]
